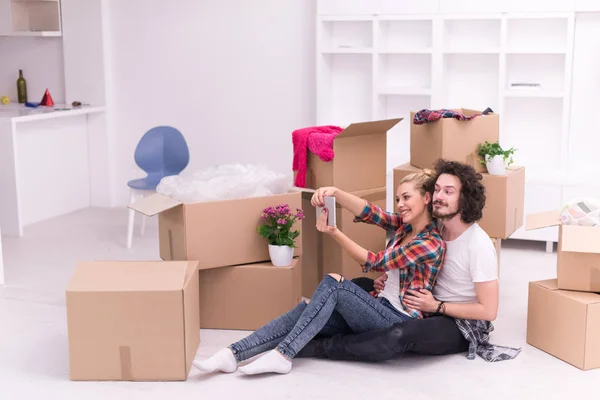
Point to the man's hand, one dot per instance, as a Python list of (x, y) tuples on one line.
[(322, 223), (379, 283), (318, 198), (422, 300)]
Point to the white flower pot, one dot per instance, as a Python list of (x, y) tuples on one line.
[(281, 256), (495, 165)]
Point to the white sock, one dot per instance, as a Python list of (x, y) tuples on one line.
[(273, 361), (223, 361)]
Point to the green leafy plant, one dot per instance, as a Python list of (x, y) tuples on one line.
[(278, 224), (490, 150)]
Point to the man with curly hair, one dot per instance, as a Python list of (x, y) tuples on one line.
[(464, 300)]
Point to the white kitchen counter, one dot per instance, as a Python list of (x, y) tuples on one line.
[(46, 162), (20, 113)]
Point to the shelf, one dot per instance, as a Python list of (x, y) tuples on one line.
[(397, 36), (405, 51), (472, 33), (347, 35), (405, 71), (533, 51), (404, 91), (535, 129), (346, 88), (33, 17), (471, 81), (472, 51), (34, 33), (534, 93), (531, 33), (548, 70), (347, 50)]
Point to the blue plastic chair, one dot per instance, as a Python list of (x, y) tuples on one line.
[(162, 151)]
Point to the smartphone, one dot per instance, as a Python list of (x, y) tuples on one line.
[(330, 206)]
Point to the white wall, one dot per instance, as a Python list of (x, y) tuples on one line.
[(235, 76), (41, 60)]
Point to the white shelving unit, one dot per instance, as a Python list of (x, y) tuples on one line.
[(375, 66), (30, 18)]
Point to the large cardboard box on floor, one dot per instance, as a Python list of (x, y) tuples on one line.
[(133, 321), (370, 237), (359, 161), (245, 297), (215, 233), (565, 324), (578, 258), (505, 199), (452, 139)]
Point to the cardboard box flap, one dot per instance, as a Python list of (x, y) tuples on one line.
[(192, 266), (542, 220), (369, 128), (580, 239), (550, 284), (113, 276), (580, 297), (154, 204)]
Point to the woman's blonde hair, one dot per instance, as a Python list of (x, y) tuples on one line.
[(423, 180)]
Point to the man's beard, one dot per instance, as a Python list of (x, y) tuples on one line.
[(444, 217)]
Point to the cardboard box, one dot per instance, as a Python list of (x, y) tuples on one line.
[(565, 324), (133, 321), (505, 203), (505, 199), (371, 237), (246, 297), (359, 158), (215, 233), (312, 248), (452, 139), (578, 260)]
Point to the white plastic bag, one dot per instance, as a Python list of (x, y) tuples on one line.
[(225, 182), (583, 211)]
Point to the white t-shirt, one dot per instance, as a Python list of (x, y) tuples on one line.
[(469, 258), (391, 290)]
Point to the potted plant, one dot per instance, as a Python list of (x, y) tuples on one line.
[(278, 222), (495, 158)]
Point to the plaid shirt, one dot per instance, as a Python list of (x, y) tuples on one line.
[(418, 261), (424, 116), (477, 332)]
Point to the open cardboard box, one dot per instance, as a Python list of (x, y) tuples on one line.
[(564, 323), (578, 265), (215, 233), (359, 158), (133, 321), (452, 139)]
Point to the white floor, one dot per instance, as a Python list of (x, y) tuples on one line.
[(34, 353)]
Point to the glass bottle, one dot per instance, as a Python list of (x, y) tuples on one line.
[(21, 88)]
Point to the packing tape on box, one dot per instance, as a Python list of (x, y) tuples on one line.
[(595, 279), (125, 354)]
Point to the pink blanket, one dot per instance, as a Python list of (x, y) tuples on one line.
[(318, 140)]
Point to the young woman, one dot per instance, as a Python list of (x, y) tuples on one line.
[(412, 260)]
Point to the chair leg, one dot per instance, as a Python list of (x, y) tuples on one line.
[(143, 225), (132, 197)]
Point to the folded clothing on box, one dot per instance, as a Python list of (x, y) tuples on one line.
[(425, 115), (317, 139), (583, 212), (225, 182)]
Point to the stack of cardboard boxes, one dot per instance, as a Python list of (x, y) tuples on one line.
[(563, 316), (456, 140), (141, 320), (358, 167)]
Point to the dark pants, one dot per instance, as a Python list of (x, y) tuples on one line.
[(437, 335)]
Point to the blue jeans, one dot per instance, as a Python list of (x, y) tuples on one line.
[(336, 307)]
